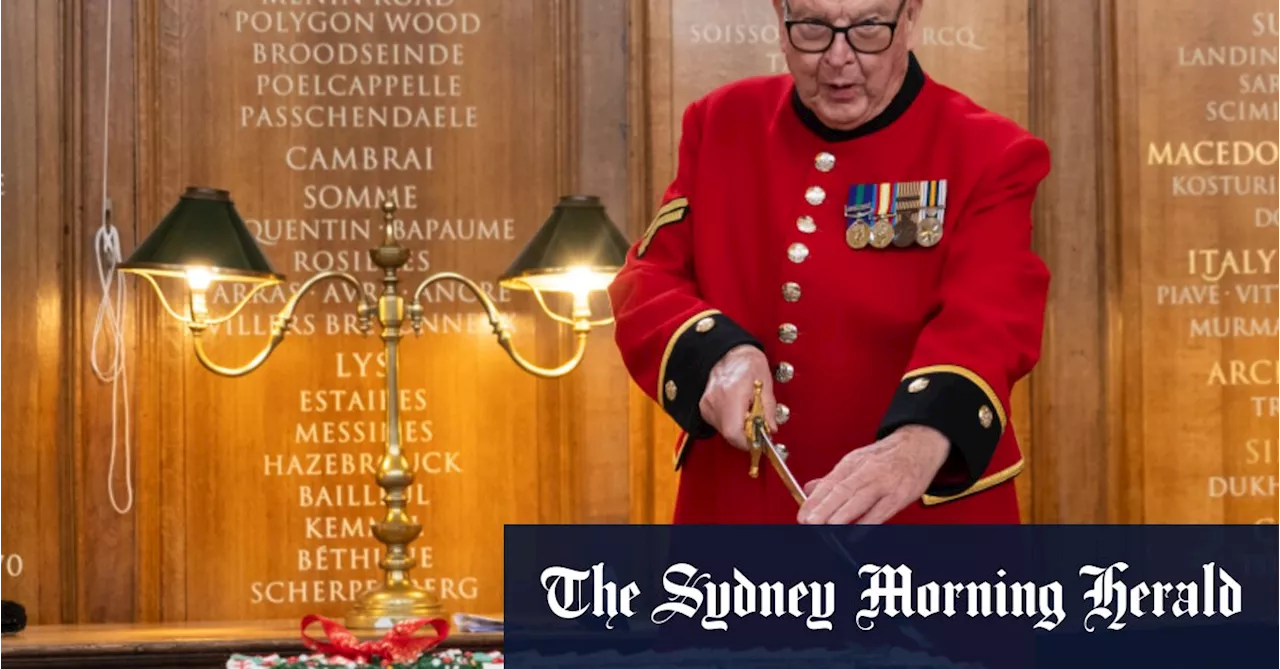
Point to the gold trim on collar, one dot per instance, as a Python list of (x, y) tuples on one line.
[(982, 484), (971, 376)]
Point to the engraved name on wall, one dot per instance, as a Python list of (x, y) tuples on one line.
[(1206, 106), (978, 46), (318, 114)]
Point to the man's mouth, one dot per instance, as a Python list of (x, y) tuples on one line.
[(842, 91)]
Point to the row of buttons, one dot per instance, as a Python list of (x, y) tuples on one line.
[(797, 253)]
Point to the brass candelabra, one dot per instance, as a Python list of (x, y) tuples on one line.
[(203, 240)]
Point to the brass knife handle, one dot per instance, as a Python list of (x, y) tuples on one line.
[(760, 443), (752, 426)]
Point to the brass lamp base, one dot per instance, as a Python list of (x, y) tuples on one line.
[(382, 608)]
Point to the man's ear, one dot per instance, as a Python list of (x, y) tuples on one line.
[(911, 16)]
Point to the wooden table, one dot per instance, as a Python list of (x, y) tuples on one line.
[(172, 644)]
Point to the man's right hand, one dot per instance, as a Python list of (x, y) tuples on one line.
[(730, 388)]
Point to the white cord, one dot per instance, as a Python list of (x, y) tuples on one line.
[(110, 317)]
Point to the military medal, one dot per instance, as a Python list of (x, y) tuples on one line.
[(886, 210), (933, 201), (904, 233), (858, 233), (881, 234)]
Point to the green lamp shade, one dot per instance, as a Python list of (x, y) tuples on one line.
[(203, 232), (577, 249)]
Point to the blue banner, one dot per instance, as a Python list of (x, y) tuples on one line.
[(891, 596)]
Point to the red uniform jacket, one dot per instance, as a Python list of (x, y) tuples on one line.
[(765, 237)]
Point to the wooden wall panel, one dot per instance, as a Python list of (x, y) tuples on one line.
[(1074, 402), (1197, 117), (694, 46), (601, 387), (471, 146), (37, 565), (103, 136)]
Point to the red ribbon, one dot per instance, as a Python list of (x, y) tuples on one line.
[(398, 645)]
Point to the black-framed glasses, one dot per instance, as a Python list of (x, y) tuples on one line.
[(816, 35)]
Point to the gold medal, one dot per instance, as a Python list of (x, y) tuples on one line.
[(857, 235), (881, 234)]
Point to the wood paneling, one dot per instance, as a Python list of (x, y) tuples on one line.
[(1197, 181), (104, 137), (39, 523), (477, 133), (1072, 394)]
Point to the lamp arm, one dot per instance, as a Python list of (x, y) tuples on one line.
[(581, 327), (537, 294), (281, 324)]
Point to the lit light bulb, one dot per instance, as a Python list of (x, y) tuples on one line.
[(199, 278), (579, 282)]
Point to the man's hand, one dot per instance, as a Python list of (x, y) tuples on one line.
[(727, 398), (871, 484)]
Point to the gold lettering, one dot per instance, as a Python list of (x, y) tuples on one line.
[(322, 591), (1243, 373), (1213, 264), (1214, 153)]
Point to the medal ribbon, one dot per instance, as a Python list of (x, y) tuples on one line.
[(860, 203), (933, 194), (910, 196), (928, 194), (887, 201)]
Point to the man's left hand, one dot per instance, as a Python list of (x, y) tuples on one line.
[(872, 484)]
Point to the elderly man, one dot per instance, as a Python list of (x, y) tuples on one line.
[(856, 236)]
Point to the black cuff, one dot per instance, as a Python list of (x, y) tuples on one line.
[(695, 347), (960, 405)]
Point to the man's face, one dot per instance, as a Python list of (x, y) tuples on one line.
[(843, 87)]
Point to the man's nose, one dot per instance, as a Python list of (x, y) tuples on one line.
[(840, 53)]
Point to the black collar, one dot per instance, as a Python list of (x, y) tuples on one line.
[(911, 86)]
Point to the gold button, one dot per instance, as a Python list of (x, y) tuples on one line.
[(671, 391), (782, 413), (797, 252), (705, 324), (785, 372), (824, 162), (791, 291), (815, 195), (788, 333), (806, 225), (918, 385), (985, 416)]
